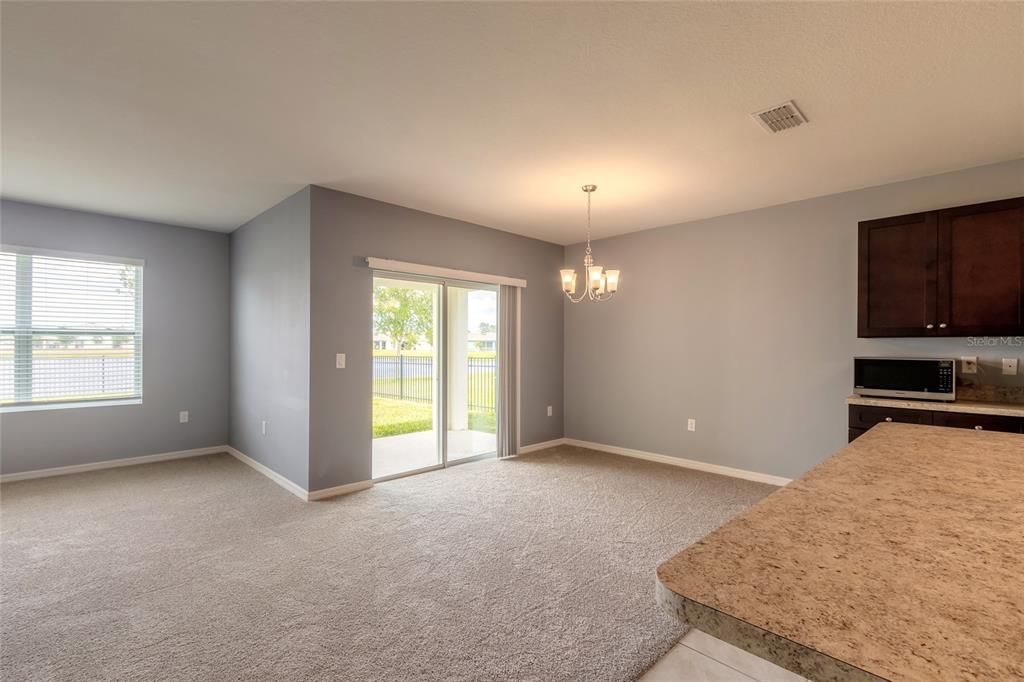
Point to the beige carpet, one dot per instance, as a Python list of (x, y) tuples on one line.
[(539, 568)]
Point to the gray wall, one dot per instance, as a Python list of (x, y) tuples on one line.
[(270, 270), (347, 229), (185, 342), (747, 323)]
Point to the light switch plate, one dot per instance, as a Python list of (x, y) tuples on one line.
[(339, 361), (183, 417), (969, 364), (691, 424), (550, 411), (1010, 366)]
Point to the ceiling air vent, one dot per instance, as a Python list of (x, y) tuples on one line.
[(780, 117)]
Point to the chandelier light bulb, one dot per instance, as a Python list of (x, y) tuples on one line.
[(569, 281), (613, 280)]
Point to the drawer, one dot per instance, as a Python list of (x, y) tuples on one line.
[(981, 422), (864, 417), (854, 434)]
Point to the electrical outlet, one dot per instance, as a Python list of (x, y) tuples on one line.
[(339, 361), (691, 424), (550, 411), (183, 417), (969, 364), (263, 427), (1010, 366)]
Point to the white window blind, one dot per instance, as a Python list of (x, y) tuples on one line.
[(70, 328)]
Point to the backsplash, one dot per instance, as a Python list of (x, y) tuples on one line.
[(990, 385), (986, 393)]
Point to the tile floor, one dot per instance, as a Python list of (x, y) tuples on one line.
[(699, 657)]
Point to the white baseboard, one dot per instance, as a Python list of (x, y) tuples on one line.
[(663, 459), (540, 446), (324, 493), (309, 496), (295, 488), (111, 464), (681, 462)]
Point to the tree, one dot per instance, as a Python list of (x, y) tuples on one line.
[(487, 328), (406, 316), (128, 277)]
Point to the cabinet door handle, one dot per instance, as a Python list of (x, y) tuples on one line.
[(929, 326), (889, 419), (942, 326), (979, 428)]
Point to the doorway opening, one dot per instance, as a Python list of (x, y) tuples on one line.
[(435, 373)]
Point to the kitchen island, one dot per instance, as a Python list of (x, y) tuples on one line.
[(901, 557)]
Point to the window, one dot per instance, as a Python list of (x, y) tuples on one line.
[(70, 328)]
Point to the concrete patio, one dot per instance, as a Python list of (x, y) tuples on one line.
[(411, 451)]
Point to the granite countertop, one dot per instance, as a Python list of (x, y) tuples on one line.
[(966, 406), (898, 558)]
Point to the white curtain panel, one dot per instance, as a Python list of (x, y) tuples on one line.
[(508, 351)]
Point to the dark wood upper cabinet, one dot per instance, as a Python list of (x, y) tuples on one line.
[(952, 272), (897, 275), (981, 277)]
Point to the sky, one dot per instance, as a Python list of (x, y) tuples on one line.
[(483, 307)]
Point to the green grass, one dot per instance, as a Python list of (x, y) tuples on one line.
[(483, 421), (395, 417)]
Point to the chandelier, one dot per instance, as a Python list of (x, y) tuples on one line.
[(601, 284)]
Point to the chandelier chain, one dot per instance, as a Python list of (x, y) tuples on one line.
[(588, 221)]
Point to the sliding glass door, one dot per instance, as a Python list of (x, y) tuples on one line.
[(435, 370), (472, 371), (406, 376)]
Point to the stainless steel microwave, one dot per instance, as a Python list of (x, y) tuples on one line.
[(917, 378)]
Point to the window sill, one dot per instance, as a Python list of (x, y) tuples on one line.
[(66, 406)]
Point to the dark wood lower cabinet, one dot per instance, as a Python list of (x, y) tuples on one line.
[(978, 422), (863, 417)]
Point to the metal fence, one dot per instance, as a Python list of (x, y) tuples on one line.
[(482, 381), (404, 377), (71, 377)]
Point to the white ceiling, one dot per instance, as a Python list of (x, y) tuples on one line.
[(206, 114)]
